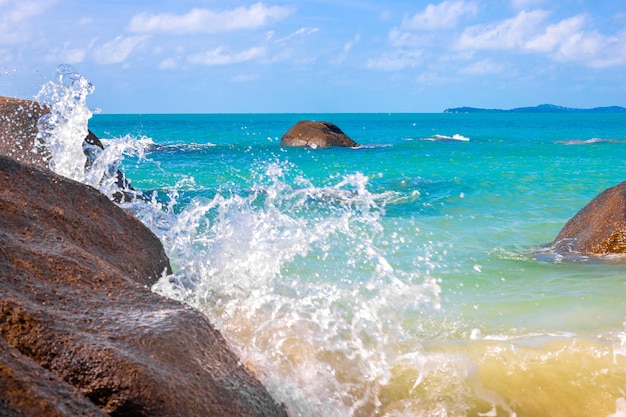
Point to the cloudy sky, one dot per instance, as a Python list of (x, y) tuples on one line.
[(218, 56)]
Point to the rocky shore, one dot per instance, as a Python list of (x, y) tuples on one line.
[(81, 334)]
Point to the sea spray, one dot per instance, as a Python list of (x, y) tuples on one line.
[(63, 130), (327, 338)]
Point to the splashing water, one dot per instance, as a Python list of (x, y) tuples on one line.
[(305, 283), (329, 335), (63, 130)]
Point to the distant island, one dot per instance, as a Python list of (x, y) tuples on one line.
[(542, 108)]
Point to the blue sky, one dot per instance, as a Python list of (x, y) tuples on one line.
[(214, 56)]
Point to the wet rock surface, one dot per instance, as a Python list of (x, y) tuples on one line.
[(80, 331), (27, 389), (314, 134), (18, 129), (599, 228)]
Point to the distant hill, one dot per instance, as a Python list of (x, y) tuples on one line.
[(542, 108)]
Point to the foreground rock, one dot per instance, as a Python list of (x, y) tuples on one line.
[(312, 134), (599, 228), (80, 331)]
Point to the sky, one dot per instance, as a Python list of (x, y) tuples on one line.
[(319, 56)]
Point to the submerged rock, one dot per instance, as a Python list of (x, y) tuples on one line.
[(312, 134), (599, 228), (80, 331)]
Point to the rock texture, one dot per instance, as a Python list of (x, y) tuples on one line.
[(81, 334), (313, 134), (599, 228), (18, 129), (27, 389)]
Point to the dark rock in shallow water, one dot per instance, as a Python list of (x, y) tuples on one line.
[(599, 228), (80, 331), (312, 134)]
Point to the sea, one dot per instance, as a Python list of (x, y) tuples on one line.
[(410, 276)]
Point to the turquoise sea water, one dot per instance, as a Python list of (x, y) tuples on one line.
[(398, 278)]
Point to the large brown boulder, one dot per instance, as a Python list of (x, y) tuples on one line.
[(80, 331), (599, 228), (313, 134)]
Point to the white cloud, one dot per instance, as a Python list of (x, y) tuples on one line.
[(441, 16), (67, 55), (594, 49), (14, 15), (433, 78), (221, 56), (15, 12), (347, 47), (508, 34), (484, 67), (397, 60), (168, 64), (302, 32), (556, 34), (565, 41), (118, 49), (209, 21), (400, 39)]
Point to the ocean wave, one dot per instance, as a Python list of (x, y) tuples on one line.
[(179, 147), (374, 146), (150, 146), (591, 141), (560, 252), (454, 138)]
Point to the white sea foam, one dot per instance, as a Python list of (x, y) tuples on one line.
[(591, 141), (620, 408), (63, 131), (456, 137), (328, 336)]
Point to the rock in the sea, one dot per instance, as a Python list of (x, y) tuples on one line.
[(80, 331), (599, 228), (313, 134)]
